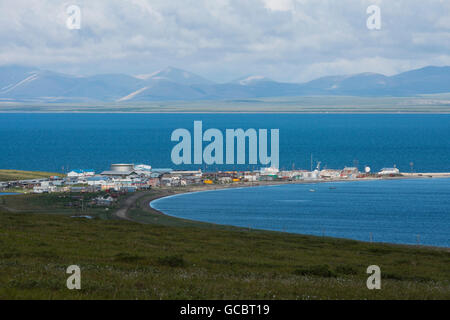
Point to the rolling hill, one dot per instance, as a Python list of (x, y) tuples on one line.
[(27, 84)]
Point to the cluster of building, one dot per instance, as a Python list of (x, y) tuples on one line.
[(130, 178)]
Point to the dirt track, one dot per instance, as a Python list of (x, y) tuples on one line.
[(143, 198), (127, 204)]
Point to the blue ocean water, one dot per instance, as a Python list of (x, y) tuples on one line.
[(393, 211), (52, 141)]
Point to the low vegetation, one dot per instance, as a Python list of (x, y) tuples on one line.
[(168, 258), (72, 204), (432, 103), (14, 175)]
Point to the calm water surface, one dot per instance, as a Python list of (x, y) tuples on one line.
[(49, 142), (395, 211)]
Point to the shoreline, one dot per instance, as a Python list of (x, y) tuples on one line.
[(203, 188), (420, 112), (166, 254), (166, 192)]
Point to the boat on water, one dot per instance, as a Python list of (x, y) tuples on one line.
[(312, 190)]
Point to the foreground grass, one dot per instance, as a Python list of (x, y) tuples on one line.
[(172, 259), (13, 175), (55, 203)]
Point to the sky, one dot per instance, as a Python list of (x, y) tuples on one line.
[(222, 40)]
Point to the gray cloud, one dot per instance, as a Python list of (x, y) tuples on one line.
[(287, 40)]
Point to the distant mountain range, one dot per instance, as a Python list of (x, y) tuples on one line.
[(25, 84)]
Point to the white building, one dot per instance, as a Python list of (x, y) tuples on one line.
[(171, 181), (193, 173), (330, 173), (143, 170), (45, 187), (269, 171), (143, 167), (97, 181), (251, 177), (389, 171), (306, 175), (81, 173), (224, 180)]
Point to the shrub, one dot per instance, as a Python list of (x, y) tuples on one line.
[(346, 270), (125, 257), (172, 261), (318, 270)]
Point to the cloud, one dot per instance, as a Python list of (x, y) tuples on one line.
[(279, 5), (287, 40)]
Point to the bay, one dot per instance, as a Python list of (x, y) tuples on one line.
[(415, 211)]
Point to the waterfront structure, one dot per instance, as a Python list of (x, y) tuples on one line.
[(350, 172), (143, 167), (389, 171), (192, 180), (285, 174), (223, 180), (170, 181), (143, 170), (195, 173), (308, 175), (330, 173), (126, 178), (269, 171), (120, 170), (81, 173), (251, 176), (161, 171)]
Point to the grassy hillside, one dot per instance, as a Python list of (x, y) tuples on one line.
[(55, 204), (169, 258), (11, 175)]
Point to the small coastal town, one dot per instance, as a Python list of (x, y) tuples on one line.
[(131, 178)]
